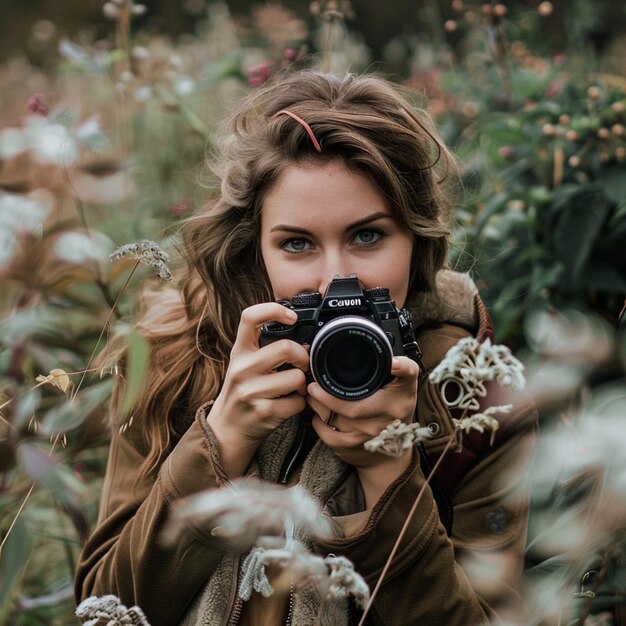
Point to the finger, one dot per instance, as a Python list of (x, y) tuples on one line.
[(282, 352), (405, 369), (319, 408), (405, 372), (280, 408), (276, 385), (253, 317), (389, 403), (337, 438), (361, 409)]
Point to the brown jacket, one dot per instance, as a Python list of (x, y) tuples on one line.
[(465, 579)]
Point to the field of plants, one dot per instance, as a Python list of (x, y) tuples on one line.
[(102, 145)]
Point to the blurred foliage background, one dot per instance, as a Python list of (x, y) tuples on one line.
[(106, 112)]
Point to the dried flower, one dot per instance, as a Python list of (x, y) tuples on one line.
[(247, 511), (183, 85), (111, 11), (138, 9), (109, 611), (57, 377), (89, 133), (345, 581), (89, 59), (54, 144), (140, 53), (397, 438), (79, 248), (334, 576), (19, 215), (142, 94), (482, 421), (468, 365), (114, 10), (148, 253)]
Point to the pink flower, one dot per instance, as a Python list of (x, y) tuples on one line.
[(180, 207), (36, 105), (259, 74)]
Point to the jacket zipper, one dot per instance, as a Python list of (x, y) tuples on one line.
[(235, 602), (303, 442), (289, 618), (235, 614), (291, 458)]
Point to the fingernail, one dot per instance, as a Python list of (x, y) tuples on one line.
[(292, 314)]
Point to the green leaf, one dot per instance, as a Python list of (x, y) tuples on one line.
[(47, 471), (45, 323), (25, 407), (36, 463), (138, 354), (582, 217), (603, 278), (13, 560), (546, 277), (613, 180), (494, 205)]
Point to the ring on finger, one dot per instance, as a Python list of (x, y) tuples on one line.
[(331, 417)]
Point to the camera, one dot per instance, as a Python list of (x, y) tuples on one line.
[(353, 334)]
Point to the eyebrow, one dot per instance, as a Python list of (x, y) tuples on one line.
[(365, 220)]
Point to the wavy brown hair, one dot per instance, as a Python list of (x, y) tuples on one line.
[(363, 121)]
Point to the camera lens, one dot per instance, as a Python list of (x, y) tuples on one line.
[(351, 357)]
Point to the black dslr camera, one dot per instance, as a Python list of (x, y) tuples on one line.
[(353, 334)]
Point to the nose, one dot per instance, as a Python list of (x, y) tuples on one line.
[(333, 264)]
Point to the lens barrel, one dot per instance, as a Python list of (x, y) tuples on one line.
[(351, 357)]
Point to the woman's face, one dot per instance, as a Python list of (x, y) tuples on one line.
[(318, 221)]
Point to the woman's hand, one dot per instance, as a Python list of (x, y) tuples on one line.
[(354, 423), (256, 398)]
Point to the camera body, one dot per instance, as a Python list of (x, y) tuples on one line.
[(353, 335)]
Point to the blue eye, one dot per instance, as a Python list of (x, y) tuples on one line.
[(367, 237), (295, 245)]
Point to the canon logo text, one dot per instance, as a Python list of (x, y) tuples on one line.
[(335, 302)]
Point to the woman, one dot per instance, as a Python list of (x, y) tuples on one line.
[(320, 177)]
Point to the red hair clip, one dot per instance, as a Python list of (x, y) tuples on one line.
[(304, 125)]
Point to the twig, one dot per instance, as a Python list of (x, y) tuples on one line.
[(167, 98), (405, 527), (26, 497), (16, 517), (106, 323), (80, 208), (72, 398), (40, 384)]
